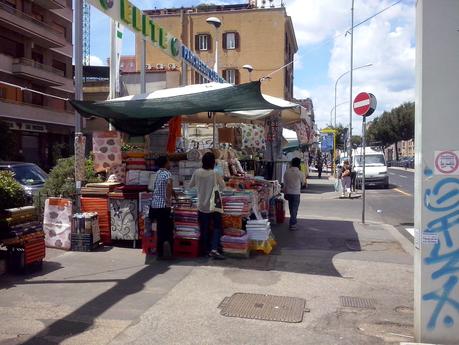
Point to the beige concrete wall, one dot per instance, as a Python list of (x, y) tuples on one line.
[(262, 42)]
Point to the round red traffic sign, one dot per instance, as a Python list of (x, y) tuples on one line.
[(364, 104), (446, 162)]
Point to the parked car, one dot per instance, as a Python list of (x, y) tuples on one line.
[(31, 177)]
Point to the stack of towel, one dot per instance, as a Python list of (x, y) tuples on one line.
[(258, 230), (186, 223)]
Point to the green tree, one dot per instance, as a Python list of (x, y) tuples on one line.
[(392, 127), (61, 181), (356, 141), (11, 192)]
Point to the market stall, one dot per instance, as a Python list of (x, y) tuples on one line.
[(250, 123)]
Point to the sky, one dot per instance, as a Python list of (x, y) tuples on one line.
[(387, 42)]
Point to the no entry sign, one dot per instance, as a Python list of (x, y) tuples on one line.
[(364, 104)]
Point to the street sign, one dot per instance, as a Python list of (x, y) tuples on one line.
[(446, 162), (364, 104)]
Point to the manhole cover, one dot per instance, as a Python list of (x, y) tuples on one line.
[(264, 307), (357, 302)]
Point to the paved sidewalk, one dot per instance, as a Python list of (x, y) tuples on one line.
[(115, 296)]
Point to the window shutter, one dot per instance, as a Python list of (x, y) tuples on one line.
[(224, 40), (224, 74), (237, 39), (236, 77), (209, 42), (196, 43)]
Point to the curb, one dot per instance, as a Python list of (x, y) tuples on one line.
[(402, 169)]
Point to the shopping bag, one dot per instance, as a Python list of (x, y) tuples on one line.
[(337, 185), (216, 204)]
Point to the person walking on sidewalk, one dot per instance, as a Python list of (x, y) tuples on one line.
[(346, 179), (319, 165), (160, 208), (293, 180), (205, 179)]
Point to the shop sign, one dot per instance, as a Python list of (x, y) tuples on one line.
[(191, 59), (138, 22)]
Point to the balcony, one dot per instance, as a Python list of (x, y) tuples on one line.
[(41, 74), (20, 22), (29, 112), (51, 4)]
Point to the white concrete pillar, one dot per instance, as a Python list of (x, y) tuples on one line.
[(436, 212)]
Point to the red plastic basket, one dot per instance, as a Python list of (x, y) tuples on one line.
[(186, 248)]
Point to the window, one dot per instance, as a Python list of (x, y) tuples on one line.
[(231, 40), (202, 42), (231, 76), (199, 79)]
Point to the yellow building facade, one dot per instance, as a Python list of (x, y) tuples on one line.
[(261, 37)]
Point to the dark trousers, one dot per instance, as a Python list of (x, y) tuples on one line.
[(164, 229), (205, 220), (293, 205)]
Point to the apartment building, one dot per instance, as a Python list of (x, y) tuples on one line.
[(36, 53), (260, 36)]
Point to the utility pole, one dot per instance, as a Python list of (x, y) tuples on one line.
[(351, 72), (436, 200), (78, 54)]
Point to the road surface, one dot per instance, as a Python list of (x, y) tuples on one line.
[(396, 204)]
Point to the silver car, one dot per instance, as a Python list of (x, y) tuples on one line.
[(31, 177)]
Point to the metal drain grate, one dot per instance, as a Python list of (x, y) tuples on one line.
[(264, 307), (357, 302)]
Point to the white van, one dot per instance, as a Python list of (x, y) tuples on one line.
[(375, 167)]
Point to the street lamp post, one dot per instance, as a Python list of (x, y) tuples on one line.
[(216, 23), (342, 75), (249, 68), (351, 70)]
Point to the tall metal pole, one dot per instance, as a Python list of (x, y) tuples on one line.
[(351, 77), (342, 75), (336, 83), (143, 63), (78, 54), (112, 67), (364, 128), (216, 70)]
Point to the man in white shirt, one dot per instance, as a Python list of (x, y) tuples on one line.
[(204, 179), (293, 180)]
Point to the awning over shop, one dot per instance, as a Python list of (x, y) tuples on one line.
[(145, 113)]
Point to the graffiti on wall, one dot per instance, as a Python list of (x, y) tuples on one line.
[(442, 201)]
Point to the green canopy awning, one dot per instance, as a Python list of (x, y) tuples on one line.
[(143, 114)]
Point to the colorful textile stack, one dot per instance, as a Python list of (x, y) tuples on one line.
[(138, 177), (23, 236), (186, 223), (237, 204), (136, 164), (235, 246), (99, 188), (258, 230), (99, 206), (107, 150), (235, 241), (57, 223)]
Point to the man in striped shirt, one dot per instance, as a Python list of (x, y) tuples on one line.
[(160, 208)]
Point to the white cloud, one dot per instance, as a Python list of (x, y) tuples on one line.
[(300, 93), (96, 61), (387, 41)]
